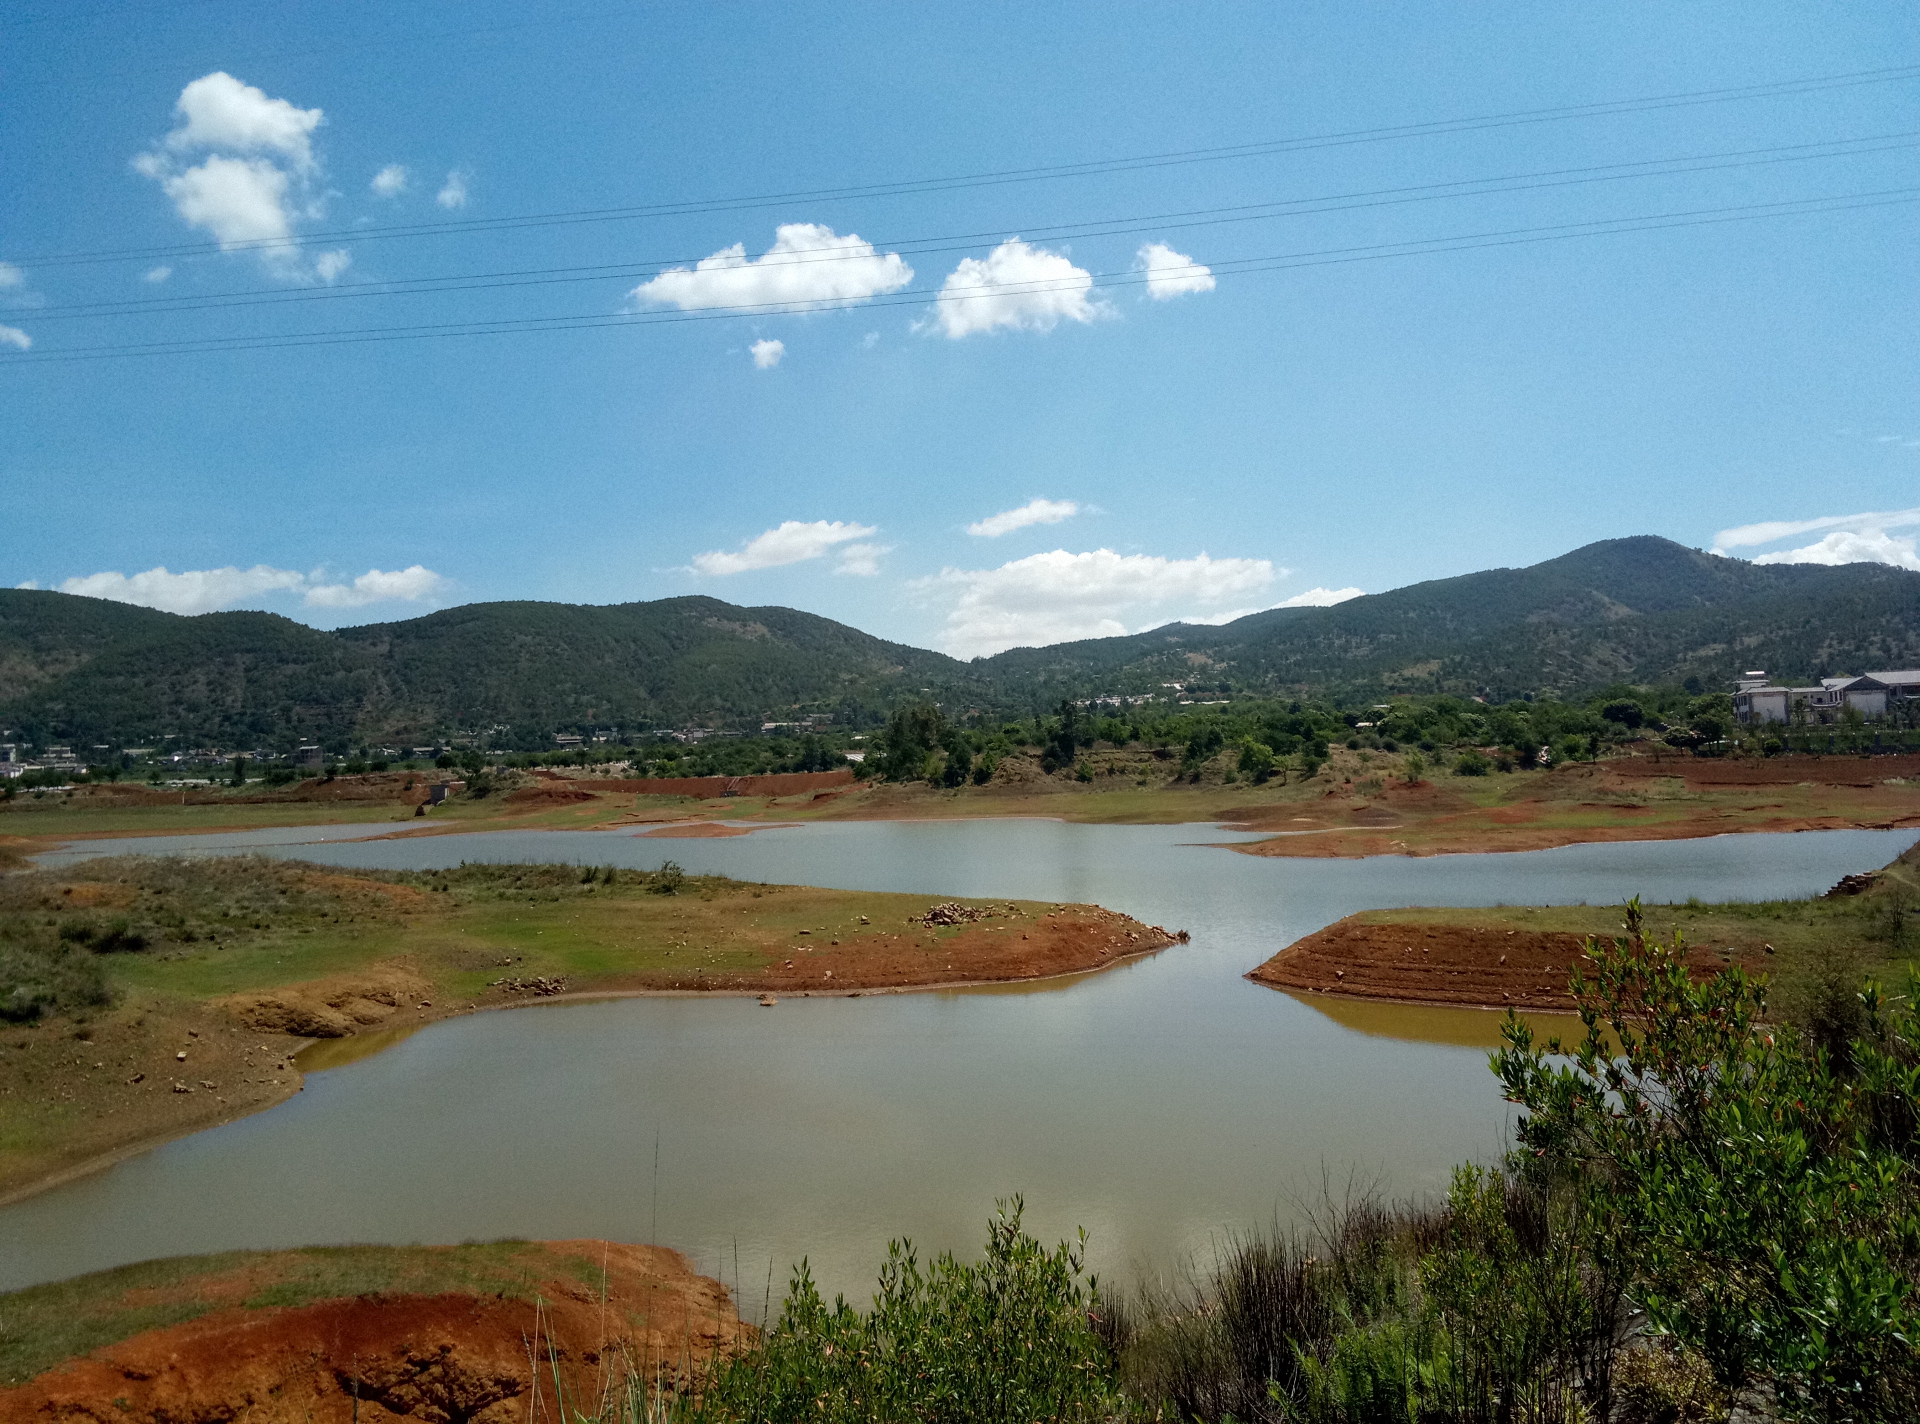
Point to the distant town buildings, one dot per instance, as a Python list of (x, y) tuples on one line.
[(1871, 695)]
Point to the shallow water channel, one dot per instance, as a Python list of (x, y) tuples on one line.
[(1160, 1104)]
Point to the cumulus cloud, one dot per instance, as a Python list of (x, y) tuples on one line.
[(157, 275), (453, 192), (1312, 598), (217, 111), (259, 176), (862, 560), (767, 354), (1170, 273), (1321, 597), (209, 590), (1850, 539), (1872, 546), (809, 267), (10, 276), (1017, 286), (412, 584), (390, 182), (13, 336), (1034, 511), (1743, 536), (1059, 596), (791, 543)]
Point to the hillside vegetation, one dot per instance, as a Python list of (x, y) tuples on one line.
[(1638, 610)]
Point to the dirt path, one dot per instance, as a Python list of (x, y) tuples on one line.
[(367, 1334)]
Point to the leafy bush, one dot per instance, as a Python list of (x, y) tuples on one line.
[(667, 880), (1759, 1189), (1009, 1338), (1471, 763)]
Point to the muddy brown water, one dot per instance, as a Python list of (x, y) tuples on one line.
[(1161, 1104)]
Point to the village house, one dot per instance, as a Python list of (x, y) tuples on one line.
[(1757, 699)]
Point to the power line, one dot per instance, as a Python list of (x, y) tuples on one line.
[(1461, 242), (1131, 225), (1091, 168)]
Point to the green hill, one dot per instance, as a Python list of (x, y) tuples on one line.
[(84, 671), (1634, 610)]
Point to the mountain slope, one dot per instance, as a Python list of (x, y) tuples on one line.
[(1640, 609), (84, 671)]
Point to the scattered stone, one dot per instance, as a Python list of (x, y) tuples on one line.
[(181, 1056), (951, 913), (767, 1001), (539, 985)]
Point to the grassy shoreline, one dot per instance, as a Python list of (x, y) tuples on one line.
[(154, 996)]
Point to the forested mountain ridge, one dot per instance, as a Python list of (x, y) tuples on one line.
[(1636, 610), (84, 671)]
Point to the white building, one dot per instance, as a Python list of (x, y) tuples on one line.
[(1757, 699)]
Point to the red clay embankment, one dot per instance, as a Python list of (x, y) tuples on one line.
[(469, 1352), (1445, 964)]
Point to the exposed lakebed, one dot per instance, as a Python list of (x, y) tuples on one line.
[(1158, 1104)]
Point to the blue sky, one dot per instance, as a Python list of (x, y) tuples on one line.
[(959, 414)]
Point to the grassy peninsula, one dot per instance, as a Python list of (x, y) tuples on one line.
[(143, 997)]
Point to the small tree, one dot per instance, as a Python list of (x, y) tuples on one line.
[(908, 742), (1256, 759), (1416, 766)]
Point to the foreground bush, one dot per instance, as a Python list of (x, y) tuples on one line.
[(1758, 1188), (1009, 1338), (1704, 1205)]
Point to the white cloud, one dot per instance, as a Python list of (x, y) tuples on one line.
[(13, 336), (791, 543), (869, 341), (1850, 539), (808, 267), (1059, 596), (1017, 286), (390, 182), (1321, 597), (453, 192), (1312, 598), (191, 591), (1751, 535), (1035, 511), (258, 179), (239, 200), (208, 590), (329, 265), (767, 354), (1170, 273), (862, 560), (158, 274), (220, 112), (10, 275), (1873, 546), (409, 585)]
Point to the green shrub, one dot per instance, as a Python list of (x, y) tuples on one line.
[(1471, 763), (1006, 1340), (1760, 1190)]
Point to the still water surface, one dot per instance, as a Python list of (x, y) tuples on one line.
[(1159, 1104)]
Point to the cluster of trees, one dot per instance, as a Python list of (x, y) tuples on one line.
[(1267, 738)]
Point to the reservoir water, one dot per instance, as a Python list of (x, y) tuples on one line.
[(1160, 1104)]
